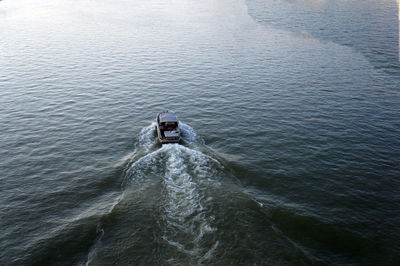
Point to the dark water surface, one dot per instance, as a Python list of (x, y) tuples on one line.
[(290, 116)]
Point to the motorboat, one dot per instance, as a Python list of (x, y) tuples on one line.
[(168, 127)]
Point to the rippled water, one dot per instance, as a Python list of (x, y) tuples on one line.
[(290, 116)]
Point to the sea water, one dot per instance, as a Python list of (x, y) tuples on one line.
[(289, 115)]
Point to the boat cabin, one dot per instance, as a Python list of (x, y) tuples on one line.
[(168, 127)]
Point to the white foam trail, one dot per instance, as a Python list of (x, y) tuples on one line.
[(183, 172), (147, 141), (138, 171), (186, 217), (146, 137), (189, 135), (140, 157)]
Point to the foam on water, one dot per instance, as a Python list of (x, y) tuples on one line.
[(185, 216), (182, 172), (146, 141), (189, 135), (148, 152), (146, 138)]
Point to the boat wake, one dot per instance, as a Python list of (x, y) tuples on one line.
[(174, 207), (184, 172), (173, 181)]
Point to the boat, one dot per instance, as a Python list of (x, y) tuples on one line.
[(168, 127)]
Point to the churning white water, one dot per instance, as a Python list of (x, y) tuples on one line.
[(181, 170)]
